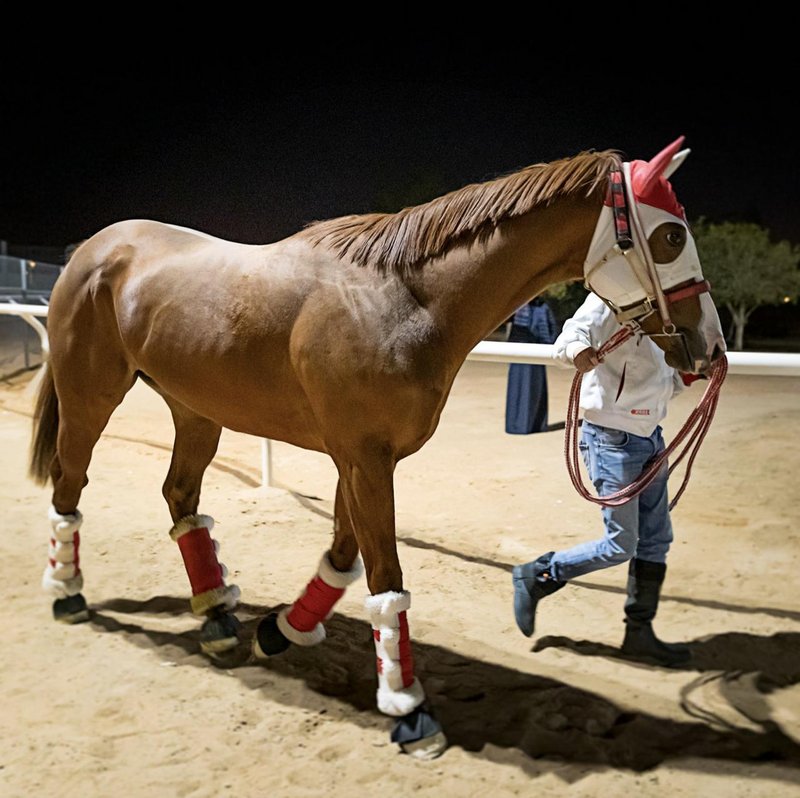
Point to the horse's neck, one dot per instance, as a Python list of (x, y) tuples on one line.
[(474, 289)]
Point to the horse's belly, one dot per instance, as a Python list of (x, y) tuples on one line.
[(268, 405)]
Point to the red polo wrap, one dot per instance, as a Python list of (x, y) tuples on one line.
[(404, 647), (76, 542), (200, 559), (376, 635), (314, 605), (406, 660)]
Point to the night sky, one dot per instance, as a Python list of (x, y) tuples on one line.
[(252, 147)]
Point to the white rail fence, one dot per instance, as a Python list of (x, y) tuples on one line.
[(767, 364), (29, 313)]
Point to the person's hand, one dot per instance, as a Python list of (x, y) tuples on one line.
[(586, 360)]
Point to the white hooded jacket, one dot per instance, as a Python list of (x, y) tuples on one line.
[(632, 386)]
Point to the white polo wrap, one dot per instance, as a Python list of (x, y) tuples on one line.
[(62, 577), (399, 691)]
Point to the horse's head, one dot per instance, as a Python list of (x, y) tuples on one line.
[(643, 262)]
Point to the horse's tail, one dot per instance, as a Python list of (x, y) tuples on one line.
[(45, 429)]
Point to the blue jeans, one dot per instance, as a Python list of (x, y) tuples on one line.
[(642, 527)]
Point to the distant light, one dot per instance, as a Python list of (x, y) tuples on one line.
[(32, 264), (787, 299)]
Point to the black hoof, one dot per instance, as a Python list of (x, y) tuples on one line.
[(419, 734), (220, 633), (72, 609), (269, 640)]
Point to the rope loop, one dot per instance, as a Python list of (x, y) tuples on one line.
[(692, 433)]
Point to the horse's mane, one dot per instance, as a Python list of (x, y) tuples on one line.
[(401, 241)]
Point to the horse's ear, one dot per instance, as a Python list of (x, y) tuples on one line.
[(676, 161), (662, 164)]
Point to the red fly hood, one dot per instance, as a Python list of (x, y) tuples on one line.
[(649, 180)]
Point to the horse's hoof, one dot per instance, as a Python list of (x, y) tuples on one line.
[(220, 633), (420, 735), (427, 749), (269, 640), (72, 609)]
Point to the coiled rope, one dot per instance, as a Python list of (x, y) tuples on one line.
[(691, 434)]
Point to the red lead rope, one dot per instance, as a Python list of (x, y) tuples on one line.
[(691, 434)]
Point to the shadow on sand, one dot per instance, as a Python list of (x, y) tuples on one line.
[(739, 672), (478, 703)]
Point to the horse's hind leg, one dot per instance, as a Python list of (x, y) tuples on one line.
[(80, 418), (302, 623), (196, 440)]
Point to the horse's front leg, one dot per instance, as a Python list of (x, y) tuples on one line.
[(302, 623), (368, 487)]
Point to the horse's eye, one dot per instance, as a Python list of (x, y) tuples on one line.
[(667, 242)]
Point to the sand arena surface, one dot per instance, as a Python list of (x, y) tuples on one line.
[(125, 705)]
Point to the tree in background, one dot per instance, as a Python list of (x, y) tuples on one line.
[(564, 299), (746, 269)]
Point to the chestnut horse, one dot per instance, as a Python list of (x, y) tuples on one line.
[(344, 338)]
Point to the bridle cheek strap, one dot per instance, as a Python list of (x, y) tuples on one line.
[(647, 257)]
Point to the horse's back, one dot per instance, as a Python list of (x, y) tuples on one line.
[(122, 243), (142, 252), (271, 340)]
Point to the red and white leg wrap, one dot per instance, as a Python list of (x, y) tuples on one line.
[(62, 577), (399, 691), (302, 622), (206, 573)]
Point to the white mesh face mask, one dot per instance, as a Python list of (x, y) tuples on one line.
[(622, 277), (620, 266)]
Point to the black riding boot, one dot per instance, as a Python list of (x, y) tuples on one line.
[(532, 581), (644, 588)]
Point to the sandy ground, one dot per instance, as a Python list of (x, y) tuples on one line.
[(125, 705)]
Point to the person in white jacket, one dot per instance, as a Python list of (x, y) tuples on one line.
[(624, 398)]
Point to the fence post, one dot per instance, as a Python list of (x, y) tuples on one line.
[(266, 463), (23, 282)]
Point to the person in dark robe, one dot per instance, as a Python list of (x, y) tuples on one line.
[(526, 394)]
